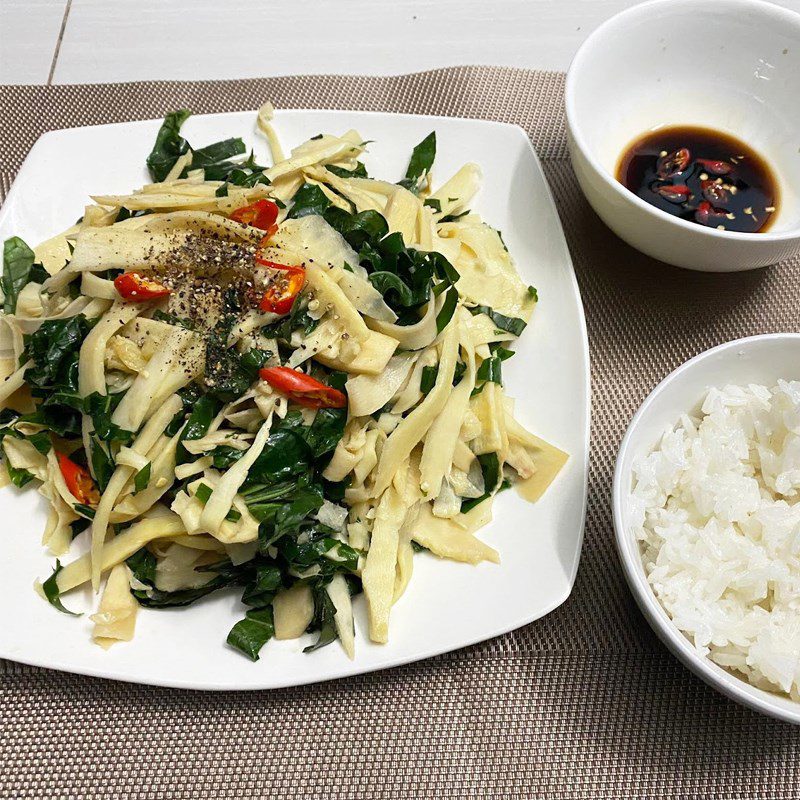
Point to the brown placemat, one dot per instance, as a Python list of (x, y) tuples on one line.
[(583, 703)]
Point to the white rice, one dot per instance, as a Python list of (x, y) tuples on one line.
[(716, 509)]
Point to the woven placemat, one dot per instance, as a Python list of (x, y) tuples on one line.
[(583, 703)]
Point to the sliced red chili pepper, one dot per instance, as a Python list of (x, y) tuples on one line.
[(717, 167), (138, 288), (303, 389), (283, 289), (706, 214), (261, 214), (78, 480), (715, 192), (673, 163), (675, 194)]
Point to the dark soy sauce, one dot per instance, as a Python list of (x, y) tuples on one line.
[(702, 176)]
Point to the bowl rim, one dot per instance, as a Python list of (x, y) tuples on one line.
[(733, 687), (584, 53)]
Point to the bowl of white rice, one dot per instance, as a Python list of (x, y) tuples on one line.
[(706, 503)]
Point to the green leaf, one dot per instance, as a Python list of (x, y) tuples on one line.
[(387, 283), (216, 153), (143, 566), (326, 430), (533, 293), (203, 492), (509, 324), (285, 455), (422, 158), (447, 310), (360, 171), (304, 503), (83, 510), (54, 348), (41, 441), (17, 263), (169, 145), (309, 199), (19, 477), (102, 463), (262, 589), (490, 370), (250, 634), (324, 614), (204, 411), (433, 203), (223, 456), (100, 407), (51, 592), (492, 475), (357, 229), (142, 478), (428, 379)]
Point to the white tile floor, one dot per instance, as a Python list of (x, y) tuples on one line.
[(77, 41)]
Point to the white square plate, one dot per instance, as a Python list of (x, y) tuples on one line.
[(447, 605)]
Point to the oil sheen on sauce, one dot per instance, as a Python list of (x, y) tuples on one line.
[(702, 176)]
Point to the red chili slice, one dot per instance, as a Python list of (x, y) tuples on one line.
[(78, 480), (715, 193), (673, 163), (675, 194), (303, 389), (717, 167), (283, 289), (706, 214), (139, 288), (262, 214)]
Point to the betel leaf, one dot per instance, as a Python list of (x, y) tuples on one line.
[(169, 145), (309, 199), (54, 348), (203, 412), (319, 547), (41, 441), (357, 229), (304, 503), (324, 619), (360, 170), (19, 477), (447, 310), (100, 407), (285, 455), (142, 478), (393, 288), (102, 463), (326, 430), (217, 153), (52, 593), (250, 634), (261, 590), (422, 158), (17, 263), (509, 324)]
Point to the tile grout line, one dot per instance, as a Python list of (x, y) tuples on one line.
[(58, 43)]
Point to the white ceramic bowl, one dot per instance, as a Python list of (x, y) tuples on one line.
[(759, 359), (732, 65)]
